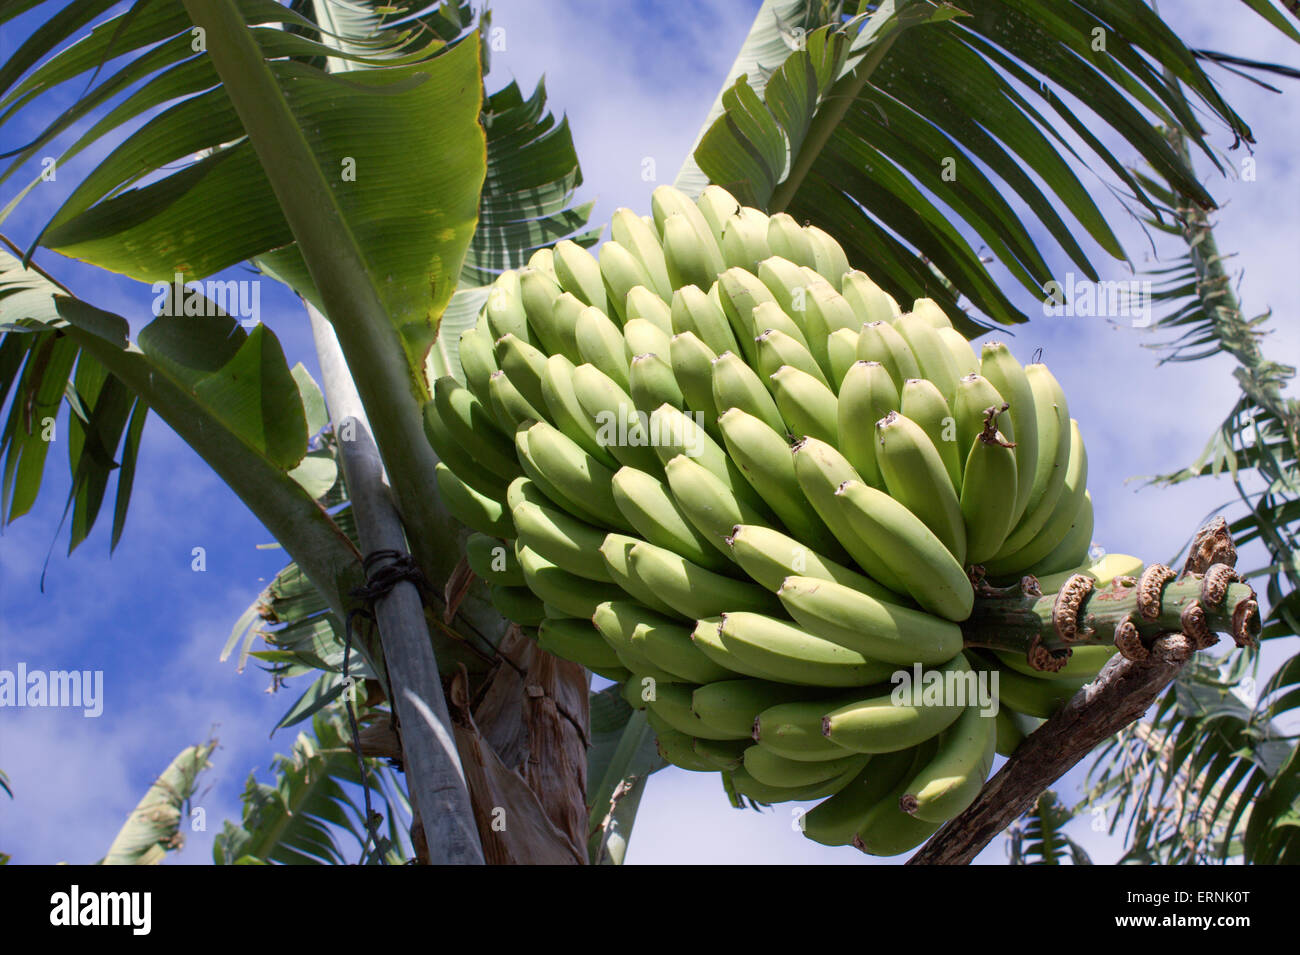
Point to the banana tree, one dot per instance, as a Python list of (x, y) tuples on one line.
[(348, 151)]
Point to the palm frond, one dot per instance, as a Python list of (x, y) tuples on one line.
[(154, 827), (1039, 837)]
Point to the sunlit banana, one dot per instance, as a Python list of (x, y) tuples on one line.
[(807, 405), (733, 705), (874, 627), (776, 646), (880, 341), (869, 300), (707, 502), (573, 595), (566, 412), (789, 286), (665, 201), (634, 234), (616, 621), (770, 317), (737, 385), (769, 557), (988, 494), (672, 703), (717, 206), (898, 719), (931, 353), (693, 311), (821, 471), (921, 562), (746, 785), (524, 365), (493, 560), (691, 590), (739, 293), (563, 540), (505, 311), (692, 362), (650, 508), (676, 747), (452, 453), (619, 428), (560, 335), (953, 777), (975, 396), (916, 477), (832, 262), (601, 344), (576, 639), (1102, 571), (481, 513), (651, 383), (922, 402), (933, 313), (1073, 547), (764, 458), (674, 432), (708, 640), (789, 240), (841, 353), (692, 259), (584, 483), (544, 261), (644, 337), (617, 553), (621, 271), (963, 356), (478, 362), (579, 274), (541, 297), (867, 394), (472, 427), (794, 730), (825, 312), (668, 646), (517, 604), (645, 304), (1055, 448), (744, 239), (888, 831), (1005, 374), (773, 770)]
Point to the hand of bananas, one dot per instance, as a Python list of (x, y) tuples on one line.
[(622, 447)]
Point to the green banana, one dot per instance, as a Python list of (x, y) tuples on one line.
[(565, 411), (621, 271), (1055, 447), (988, 494), (931, 353), (1074, 547), (776, 349), (794, 730), (832, 262), (476, 511), (646, 305), (869, 301), (807, 405), (677, 748), (717, 206), (560, 334), (651, 510), (733, 705), (524, 366), (841, 353), (789, 240), (963, 356), (579, 274), (694, 311), (691, 260), (617, 553), (975, 396), (1102, 571), (517, 604), (583, 482), (789, 286), (1017, 554), (821, 470), (573, 638), (473, 429), (651, 383), (868, 625), (739, 293), (835, 821), (775, 646), (867, 394), (888, 831), (954, 776), (571, 544), (825, 312), (1009, 733), (746, 785), (616, 621), (880, 341), (922, 563), (1033, 697), (669, 647), (692, 362), (573, 595), (540, 294), (601, 344), (744, 239), (896, 720), (915, 477), (773, 770), (634, 234), (457, 457), (644, 337), (674, 432), (505, 311), (543, 260), (1085, 663), (707, 502), (737, 385), (933, 313), (1005, 374), (921, 401), (688, 588), (672, 704), (722, 754), (764, 459), (665, 201), (770, 557), (493, 560), (619, 429), (708, 640)]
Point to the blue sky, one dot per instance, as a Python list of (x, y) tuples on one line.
[(635, 80)]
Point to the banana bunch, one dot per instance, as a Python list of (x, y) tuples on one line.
[(721, 467)]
